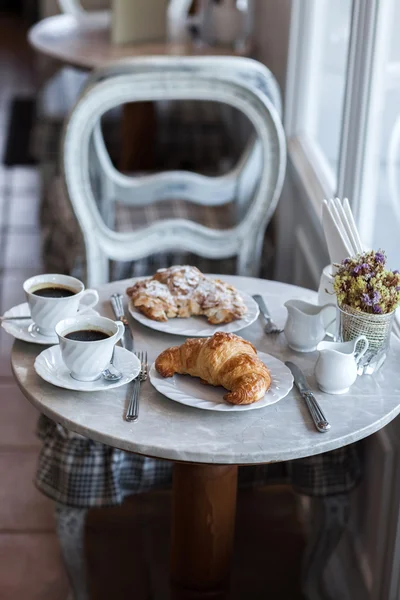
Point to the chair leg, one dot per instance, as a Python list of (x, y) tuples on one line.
[(330, 517), (97, 264), (70, 525), (250, 255)]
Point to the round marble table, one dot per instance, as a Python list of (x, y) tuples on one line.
[(207, 447)]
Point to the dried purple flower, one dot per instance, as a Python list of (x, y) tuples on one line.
[(366, 300), (395, 272), (363, 283), (376, 297)]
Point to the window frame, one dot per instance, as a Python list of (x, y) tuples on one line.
[(357, 176)]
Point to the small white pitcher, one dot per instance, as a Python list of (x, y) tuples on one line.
[(336, 367), (305, 326)]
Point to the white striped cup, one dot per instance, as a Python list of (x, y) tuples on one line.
[(47, 312), (87, 360)]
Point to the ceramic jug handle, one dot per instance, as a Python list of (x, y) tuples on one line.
[(361, 338)]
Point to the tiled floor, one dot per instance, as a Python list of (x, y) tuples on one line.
[(30, 565), (127, 547)]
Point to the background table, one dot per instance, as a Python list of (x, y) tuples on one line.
[(207, 446), (87, 46)]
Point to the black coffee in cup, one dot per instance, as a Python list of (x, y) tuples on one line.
[(54, 291), (87, 335)]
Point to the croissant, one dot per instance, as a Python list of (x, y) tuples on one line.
[(223, 359)]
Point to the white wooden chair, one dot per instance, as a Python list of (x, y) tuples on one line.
[(246, 172), (239, 83), (247, 70)]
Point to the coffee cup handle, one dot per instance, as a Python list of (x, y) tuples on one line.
[(85, 306), (121, 330)]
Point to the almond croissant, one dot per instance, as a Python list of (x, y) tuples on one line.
[(184, 291), (223, 359)]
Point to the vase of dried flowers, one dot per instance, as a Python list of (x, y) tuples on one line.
[(367, 294)]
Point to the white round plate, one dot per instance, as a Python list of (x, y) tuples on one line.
[(50, 367), (199, 326), (25, 330), (188, 390)]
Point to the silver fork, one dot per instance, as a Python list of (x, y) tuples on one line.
[(118, 310), (270, 326), (133, 407)]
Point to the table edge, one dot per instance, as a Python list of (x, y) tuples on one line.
[(171, 456)]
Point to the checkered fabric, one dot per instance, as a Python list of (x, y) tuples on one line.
[(60, 231), (76, 471), (79, 472)]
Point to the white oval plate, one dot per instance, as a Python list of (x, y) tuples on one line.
[(199, 326), (188, 390), (25, 330), (50, 367)]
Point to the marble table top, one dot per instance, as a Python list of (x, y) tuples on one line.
[(169, 430)]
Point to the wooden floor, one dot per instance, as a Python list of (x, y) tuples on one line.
[(127, 547)]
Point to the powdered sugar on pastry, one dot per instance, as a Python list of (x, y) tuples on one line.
[(183, 291)]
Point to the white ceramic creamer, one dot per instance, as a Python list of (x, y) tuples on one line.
[(336, 367), (305, 326)]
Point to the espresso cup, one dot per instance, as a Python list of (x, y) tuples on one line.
[(69, 296), (87, 343)]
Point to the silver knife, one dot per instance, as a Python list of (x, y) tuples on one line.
[(118, 309), (25, 318), (318, 416)]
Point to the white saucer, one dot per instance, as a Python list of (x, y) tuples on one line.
[(50, 367), (25, 330)]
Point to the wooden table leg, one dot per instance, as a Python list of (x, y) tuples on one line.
[(138, 137), (203, 527)]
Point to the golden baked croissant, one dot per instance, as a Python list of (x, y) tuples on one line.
[(223, 359)]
